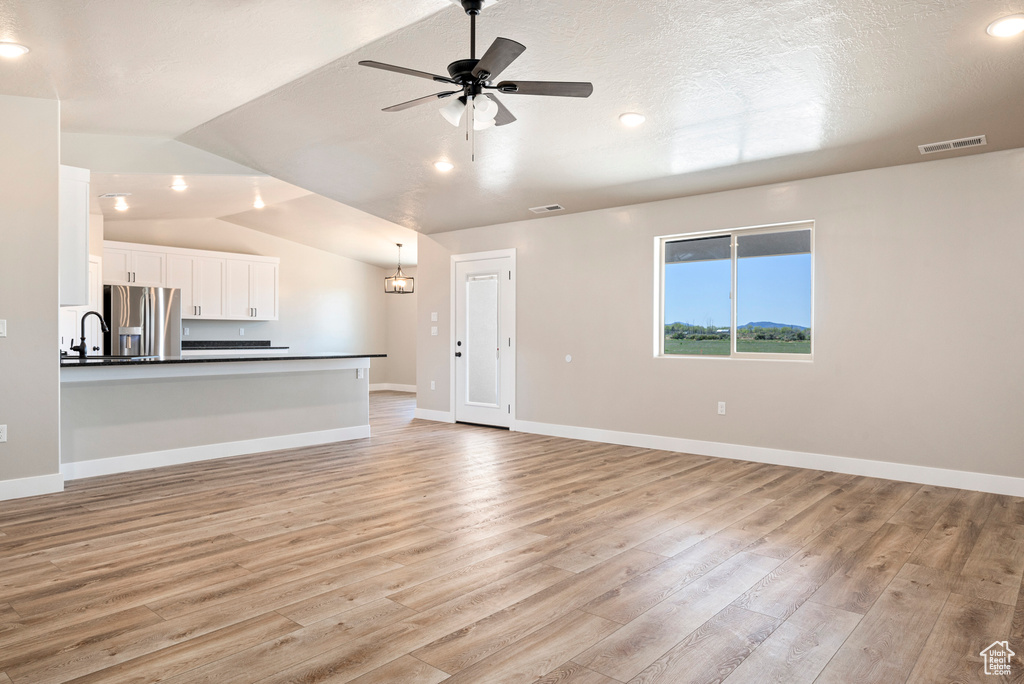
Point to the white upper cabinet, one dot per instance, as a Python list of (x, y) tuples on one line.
[(263, 284), (73, 231), (209, 287), (145, 266), (213, 285), (251, 290)]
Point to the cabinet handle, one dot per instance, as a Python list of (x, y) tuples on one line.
[(200, 309)]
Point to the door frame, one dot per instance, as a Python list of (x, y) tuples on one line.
[(479, 256)]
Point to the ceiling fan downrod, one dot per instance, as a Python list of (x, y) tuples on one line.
[(472, 8)]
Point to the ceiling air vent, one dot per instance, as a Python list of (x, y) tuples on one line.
[(113, 195), (547, 209), (952, 144)]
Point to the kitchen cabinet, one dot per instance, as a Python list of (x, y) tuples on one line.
[(213, 285), (70, 322), (146, 267), (73, 236), (201, 282), (250, 290)]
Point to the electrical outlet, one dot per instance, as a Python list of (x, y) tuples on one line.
[(433, 385), (433, 330), (721, 408), (3, 433), (359, 373), (433, 317), (3, 328), (241, 332), (185, 333)]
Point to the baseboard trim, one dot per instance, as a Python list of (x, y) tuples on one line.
[(942, 477), (31, 486), (206, 452), (436, 416), (392, 387)]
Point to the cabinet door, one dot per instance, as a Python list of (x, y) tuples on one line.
[(263, 295), (236, 289), (209, 287), (69, 327), (93, 332), (180, 274), (149, 268), (73, 231), (117, 263)]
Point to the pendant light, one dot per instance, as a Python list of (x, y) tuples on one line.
[(399, 283)]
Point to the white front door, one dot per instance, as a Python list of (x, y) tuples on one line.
[(484, 353)]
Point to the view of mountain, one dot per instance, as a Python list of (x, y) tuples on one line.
[(769, 324)]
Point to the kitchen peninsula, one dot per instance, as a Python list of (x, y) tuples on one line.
[(128, 414)]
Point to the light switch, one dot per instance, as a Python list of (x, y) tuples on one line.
[(433, 330), (3, 328), (433, 317)]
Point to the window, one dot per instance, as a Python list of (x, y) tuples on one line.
[(746, 293)]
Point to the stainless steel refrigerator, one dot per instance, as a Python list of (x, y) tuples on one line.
[(144, 321)]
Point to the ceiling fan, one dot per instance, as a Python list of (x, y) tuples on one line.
[(473, 77)]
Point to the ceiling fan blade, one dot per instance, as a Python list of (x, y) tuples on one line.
[(557, 88), (403, 70), (503, 117), (501, 53), (419, 101)]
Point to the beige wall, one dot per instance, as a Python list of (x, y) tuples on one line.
[(918, 325), (128, 417), (401, 313), (327, 303), (29, 402)]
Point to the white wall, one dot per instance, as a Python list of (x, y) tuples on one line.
[(29, 371), (918, 319), (327, 303)]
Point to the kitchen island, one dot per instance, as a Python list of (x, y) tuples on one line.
[(119, 415)]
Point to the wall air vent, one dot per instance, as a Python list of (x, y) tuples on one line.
[(114, 195), (547, 209), (931, 148)]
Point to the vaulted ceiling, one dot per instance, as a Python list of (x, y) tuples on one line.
[(736, 93)]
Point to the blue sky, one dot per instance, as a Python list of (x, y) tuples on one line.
[(775, 288)]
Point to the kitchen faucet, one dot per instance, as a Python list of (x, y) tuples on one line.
[(82, 348)]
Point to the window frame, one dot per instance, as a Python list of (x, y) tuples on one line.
[(734, 233)]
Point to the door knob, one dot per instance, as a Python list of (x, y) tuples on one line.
[(458, 354)]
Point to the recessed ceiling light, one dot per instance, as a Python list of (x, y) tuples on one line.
[(179, 184), (258, 204), (12, 50), (121, 205), (632, 119), (443, 166), (1007, 26)]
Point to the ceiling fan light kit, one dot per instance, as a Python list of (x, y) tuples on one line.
[(473, 77)]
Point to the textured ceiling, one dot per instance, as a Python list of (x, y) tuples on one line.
[(160, 67), (736, 93)]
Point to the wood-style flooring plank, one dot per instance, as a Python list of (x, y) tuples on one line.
[(799, 648), (713, 651), (965, 627), (639, 643), (406, 670), (887, 642)]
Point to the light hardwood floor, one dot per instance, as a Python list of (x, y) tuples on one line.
[(435, 552)]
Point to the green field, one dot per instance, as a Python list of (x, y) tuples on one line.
[(721, 347)]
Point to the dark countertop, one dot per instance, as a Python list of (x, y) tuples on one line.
[(75, 362), (227, 344)]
